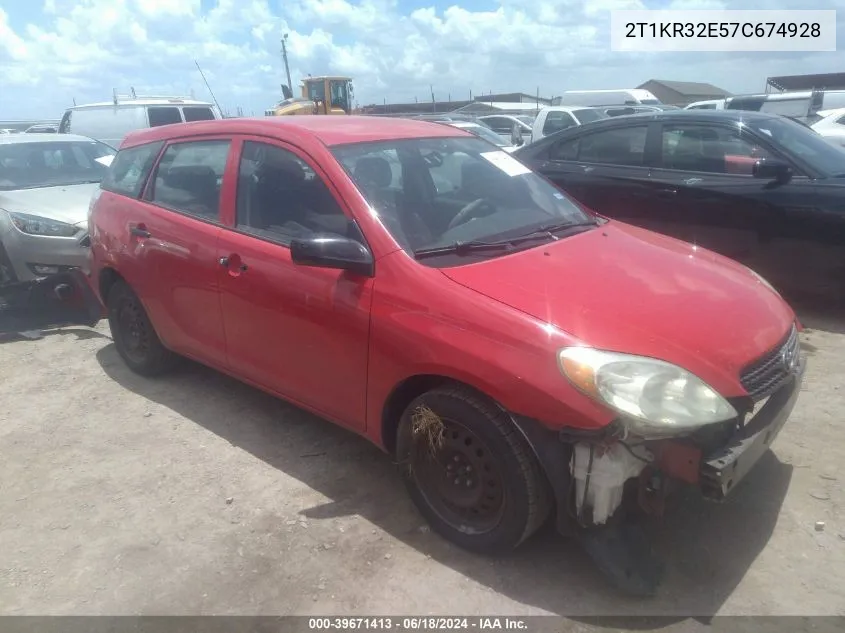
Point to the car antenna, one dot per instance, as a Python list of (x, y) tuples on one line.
[(213, 98)]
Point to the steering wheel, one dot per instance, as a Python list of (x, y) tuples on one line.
[(471, 211)]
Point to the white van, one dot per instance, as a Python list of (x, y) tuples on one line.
[(110, 122), (632, 96)]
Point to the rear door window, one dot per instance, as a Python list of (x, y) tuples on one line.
[(189, 177), (198, 113), (130, 168), (617, 146), (163, 115)]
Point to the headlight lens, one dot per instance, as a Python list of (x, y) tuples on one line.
[(36, 225), (658, 399)]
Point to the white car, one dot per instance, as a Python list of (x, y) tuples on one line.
[(46, 184), (831, 125), (482, 131)]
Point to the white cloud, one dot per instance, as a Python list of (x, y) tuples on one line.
[(83, 49)]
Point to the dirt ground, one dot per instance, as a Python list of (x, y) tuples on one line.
[(195, 494)]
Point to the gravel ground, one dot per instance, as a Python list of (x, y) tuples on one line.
[(195, 494)]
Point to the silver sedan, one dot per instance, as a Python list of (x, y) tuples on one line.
[(46, 184)]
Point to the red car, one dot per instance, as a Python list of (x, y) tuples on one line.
[(521, 357)]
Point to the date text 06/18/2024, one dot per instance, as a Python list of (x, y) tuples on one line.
[(418, 623)]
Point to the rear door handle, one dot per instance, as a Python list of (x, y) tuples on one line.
[(224, 261), (138, 231)]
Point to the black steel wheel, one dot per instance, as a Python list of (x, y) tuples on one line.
[(460, 478), (470, 472), (133, 333)]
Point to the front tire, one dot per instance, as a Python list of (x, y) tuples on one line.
[(134, 335), (470, 471)]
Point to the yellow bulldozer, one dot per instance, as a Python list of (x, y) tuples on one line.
[(320, 95)]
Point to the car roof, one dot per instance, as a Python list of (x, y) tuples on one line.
[(329, 130), (8, 139)]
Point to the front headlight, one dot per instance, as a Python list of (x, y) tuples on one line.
[(658, 399), (36, 225)]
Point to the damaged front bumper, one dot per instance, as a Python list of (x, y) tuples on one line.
[(601, 480), (725, 467), (55, 301)]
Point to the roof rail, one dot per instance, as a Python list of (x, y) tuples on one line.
[(133, 96)]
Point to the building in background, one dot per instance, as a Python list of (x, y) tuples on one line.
[(681, 93)]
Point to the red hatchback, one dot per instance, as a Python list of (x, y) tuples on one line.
[(520, 356)]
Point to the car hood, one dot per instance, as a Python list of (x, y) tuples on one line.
[(624, 289), (66, 203)]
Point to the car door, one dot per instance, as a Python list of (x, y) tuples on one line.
[(173, 232), (606, 170), (301, 332), (711, 196)]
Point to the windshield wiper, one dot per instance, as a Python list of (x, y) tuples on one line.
[(549, 230), (462, 248)]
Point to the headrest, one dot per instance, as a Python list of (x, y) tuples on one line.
[(373, 170), (191, 178), (280, 170)]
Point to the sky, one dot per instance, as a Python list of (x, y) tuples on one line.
[(55, 52)]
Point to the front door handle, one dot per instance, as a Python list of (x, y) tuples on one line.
[(139, 231)]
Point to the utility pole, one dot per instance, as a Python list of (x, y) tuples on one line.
[(285, 58)]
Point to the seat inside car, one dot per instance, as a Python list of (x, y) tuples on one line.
[(192, 187), (699, 150)]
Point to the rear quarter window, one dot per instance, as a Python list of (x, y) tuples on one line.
[(130, 169)]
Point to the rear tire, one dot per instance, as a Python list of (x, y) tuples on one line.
[(475, 478), (134, 335)]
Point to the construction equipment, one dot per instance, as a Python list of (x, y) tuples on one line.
[(320, 95)]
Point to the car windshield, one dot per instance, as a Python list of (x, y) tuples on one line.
[(438, 192), (484, 132), (588, 115), (802, 142), (28, 165)]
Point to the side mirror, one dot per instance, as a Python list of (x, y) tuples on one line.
[(772, 169), (516, 135), (332, 251)]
